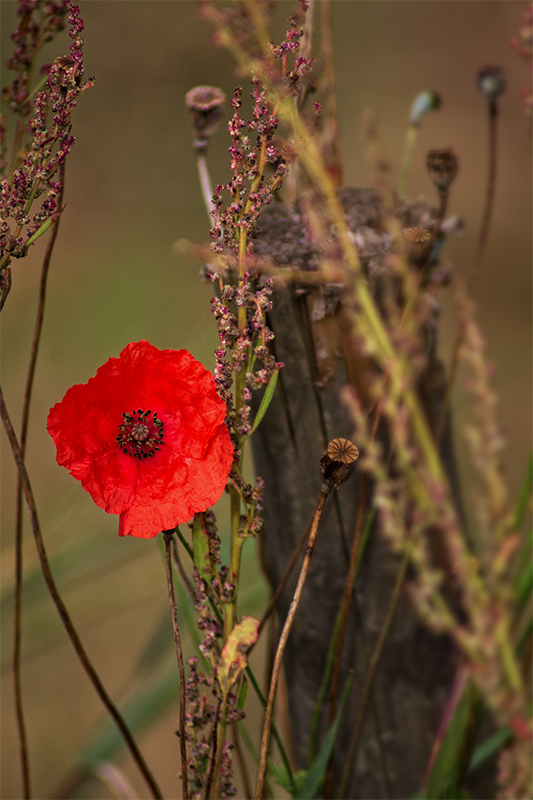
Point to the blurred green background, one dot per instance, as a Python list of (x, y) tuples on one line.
[(131, 192)]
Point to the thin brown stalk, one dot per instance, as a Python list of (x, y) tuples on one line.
[(23, 745), (63, 613), (331, 123), (167, 536), (214, 751), (286, 576), (482, 240), (376, 655), (181, 569), (348, 592), (350, 580), (491, 188), (276, 670), (443, 205)]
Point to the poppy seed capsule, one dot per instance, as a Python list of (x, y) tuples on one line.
[(417, 245), (491, 82), (338, 461), (442, 167), (205, 104)]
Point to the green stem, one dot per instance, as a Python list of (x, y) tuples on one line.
[(410, 141)]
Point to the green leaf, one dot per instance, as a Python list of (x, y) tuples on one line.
[(523, 581), (42, 229), (490, 746), (200, 545), (525, 494), (449, 764), (265, 402), (316, 774), (291, 783)]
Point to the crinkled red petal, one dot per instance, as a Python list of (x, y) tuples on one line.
[(199, 489), (191, 466)]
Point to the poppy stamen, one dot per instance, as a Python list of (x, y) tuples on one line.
[(140, 435)]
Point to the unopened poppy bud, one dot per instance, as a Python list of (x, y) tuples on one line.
[(338, 461), (422, 104), (491, 82), (205, 104), (442, 167), (417, 245)]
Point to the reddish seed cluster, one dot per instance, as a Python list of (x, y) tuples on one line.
[(208, 622), (235, 345), (39, 23), (248, 189), (200, 715), (48, 138)]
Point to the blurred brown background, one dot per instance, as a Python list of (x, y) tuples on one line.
[(131, 193)]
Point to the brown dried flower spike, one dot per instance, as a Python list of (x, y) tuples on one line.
[(442, 167), (417, 245), (205, 104), (338, 461)]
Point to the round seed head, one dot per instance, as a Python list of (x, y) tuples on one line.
[(442, 167), (205, 106), (417, 245), (491, 82), (338, 461)]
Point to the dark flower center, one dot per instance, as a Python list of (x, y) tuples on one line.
[(141, 434)]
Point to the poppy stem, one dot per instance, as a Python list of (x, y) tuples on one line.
[(63, 613), (325, 490), (18, 520), (167, 536)]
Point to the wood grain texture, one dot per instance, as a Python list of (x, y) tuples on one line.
[(417, 666)]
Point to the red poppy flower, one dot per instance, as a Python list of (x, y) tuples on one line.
[(146, 438)]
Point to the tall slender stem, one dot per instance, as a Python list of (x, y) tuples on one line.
[(205, 180), (482, 240), (18, 519), (63, 613), (276, 670), (167, 536)]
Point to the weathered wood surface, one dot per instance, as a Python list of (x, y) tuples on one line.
[(417, 667)]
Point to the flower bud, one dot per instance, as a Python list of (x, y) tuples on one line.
[(205, 105), (491, 82), (417, 245), (424, 102), (338, 461), (442, 167)]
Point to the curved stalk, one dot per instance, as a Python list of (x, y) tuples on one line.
[(276, 670), (167, 536), (63, 613)]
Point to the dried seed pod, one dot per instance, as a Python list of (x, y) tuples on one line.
[(491, 82), (205, 104), (338, 461), (417, 245), (442, 167)]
